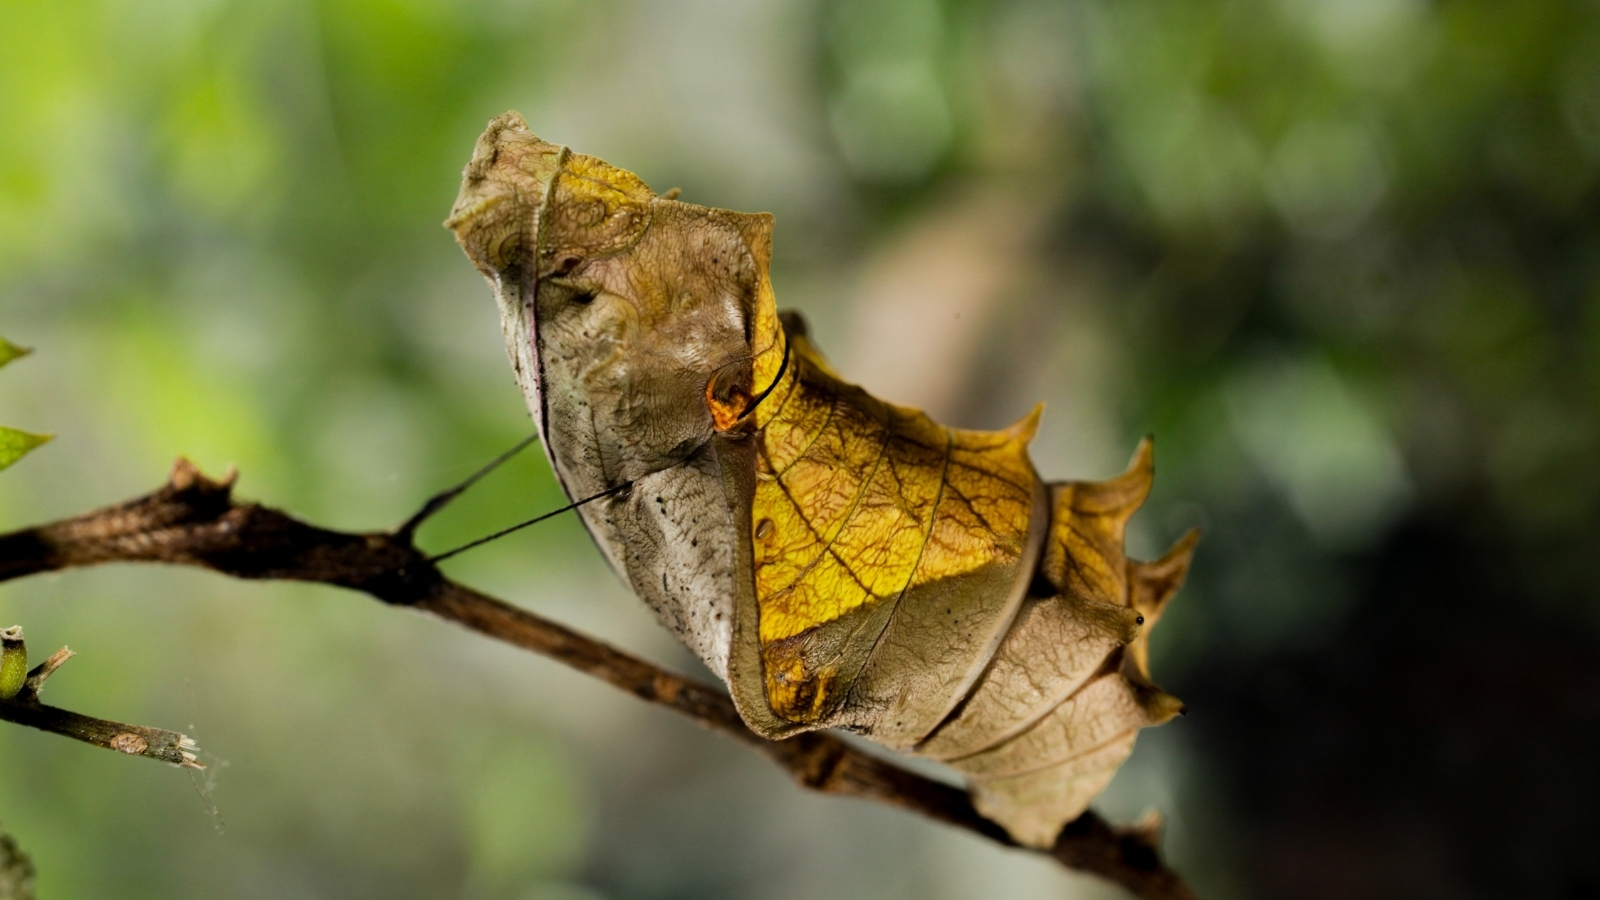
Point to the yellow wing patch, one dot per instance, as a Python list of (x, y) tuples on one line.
[(858, 501)]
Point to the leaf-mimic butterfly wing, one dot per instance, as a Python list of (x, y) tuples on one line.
[(839, 561)]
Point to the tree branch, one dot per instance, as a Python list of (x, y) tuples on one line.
[(194, 521)]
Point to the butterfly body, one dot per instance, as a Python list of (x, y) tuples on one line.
[(838, 561)]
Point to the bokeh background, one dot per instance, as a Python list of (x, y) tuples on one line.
[(1339, 256)]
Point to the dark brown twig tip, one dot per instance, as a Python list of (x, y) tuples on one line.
[(186, 476), (1147, 829)]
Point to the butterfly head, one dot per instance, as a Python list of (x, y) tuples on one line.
[(632, 320)]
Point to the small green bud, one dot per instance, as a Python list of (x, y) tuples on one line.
[(13, 662)]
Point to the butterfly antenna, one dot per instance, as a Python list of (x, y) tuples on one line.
[(776, 380), (533, 521), (442, 499)]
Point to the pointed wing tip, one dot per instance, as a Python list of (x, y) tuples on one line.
[(1151, 585), (1162, 707), (1122, 495), (1135, 481), (1025, 429), (1174, 564), (1148, 829), (1144, 457)]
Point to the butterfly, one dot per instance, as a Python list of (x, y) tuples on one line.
[(839, 561)]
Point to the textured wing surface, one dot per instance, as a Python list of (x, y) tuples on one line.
[(1058, 710), (885, 550), (840, 560)]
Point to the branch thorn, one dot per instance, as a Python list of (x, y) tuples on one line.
[(38, 674)]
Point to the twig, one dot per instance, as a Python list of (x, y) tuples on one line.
[(38, 674), (135, 740), (194, 521)]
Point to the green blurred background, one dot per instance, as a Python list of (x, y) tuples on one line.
[(1339, 256)]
